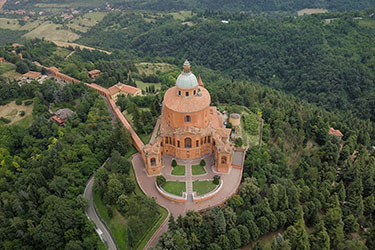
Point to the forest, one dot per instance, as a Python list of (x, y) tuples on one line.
[(237, 5), (310, 189), (332, 64)]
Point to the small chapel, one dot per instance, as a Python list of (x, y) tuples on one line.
[(190, 128)]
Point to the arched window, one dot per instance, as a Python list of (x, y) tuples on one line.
[(178, 144), (197, 143), (166, 140), (187, 118), (224, 160), (187, 93), (195, 92), (179, 92), (153, 161), (187, 143)]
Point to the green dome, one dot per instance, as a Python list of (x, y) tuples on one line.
[(186, 81)]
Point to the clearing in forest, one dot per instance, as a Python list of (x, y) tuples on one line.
[(11, 111)]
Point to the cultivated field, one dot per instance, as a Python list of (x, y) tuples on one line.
[(6, 67), (74, 45), (85, 22), (13, 24), (12, 111), (52, 32), (311, 11)]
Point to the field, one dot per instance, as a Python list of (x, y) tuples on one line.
[(13, 24), (11, 112), (311, 11), (151, 68), (85, 22), (52, 32), (182, 15), (144, 85), (12, 74), (6, 67)]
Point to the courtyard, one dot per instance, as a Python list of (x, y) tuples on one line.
[(194, 183)]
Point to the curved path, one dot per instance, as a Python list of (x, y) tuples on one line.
[(91, 213)]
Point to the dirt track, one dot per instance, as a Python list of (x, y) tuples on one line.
[(74, 45)]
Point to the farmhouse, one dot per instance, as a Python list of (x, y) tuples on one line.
[(94, 73), (62, 115), (32, 75), (123, 89)]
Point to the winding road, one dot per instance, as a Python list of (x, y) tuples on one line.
[(91, 213)]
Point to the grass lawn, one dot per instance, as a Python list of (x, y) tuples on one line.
[(5, 67), (175, 187), (198, 170), (203, 187), (178, 170), (144, 85)]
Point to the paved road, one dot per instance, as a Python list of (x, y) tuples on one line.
[(91, 213)]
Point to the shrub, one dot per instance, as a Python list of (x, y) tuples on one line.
[(202, 163), (5, 120), (216, 180), (174, 163), (109, 211), (19, 102), (22, 113), (238, 142), (160, 180), (28, 103)]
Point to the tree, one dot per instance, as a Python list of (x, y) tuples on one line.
[(220, 224), (123, 203), (214, 246), (115, 189), (22, 67), (263, 225), (335, 227), (234, 238), (160, 180), (350, 224), (171, 223), (320, 238), (223, 242), (244, 234)]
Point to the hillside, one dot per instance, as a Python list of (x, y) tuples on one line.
[(328, 63), (173, 5)]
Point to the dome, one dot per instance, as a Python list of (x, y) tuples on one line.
[(186, 80)]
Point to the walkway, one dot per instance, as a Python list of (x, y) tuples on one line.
[(102, 230)]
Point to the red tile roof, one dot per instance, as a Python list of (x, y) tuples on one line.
[(335, 132), (94, 72), (32, 74), (123, 88)]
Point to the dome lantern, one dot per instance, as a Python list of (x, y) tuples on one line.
[(186, 80)]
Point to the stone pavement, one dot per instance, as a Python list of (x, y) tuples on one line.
[(231, 182)]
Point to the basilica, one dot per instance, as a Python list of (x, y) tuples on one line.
[(189, 128)]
